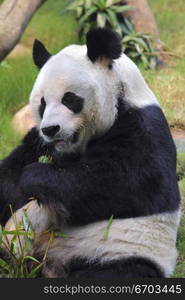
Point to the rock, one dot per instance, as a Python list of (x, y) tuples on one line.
[(23, 120)]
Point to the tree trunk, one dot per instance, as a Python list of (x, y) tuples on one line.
[(14, 17), (143, 19)]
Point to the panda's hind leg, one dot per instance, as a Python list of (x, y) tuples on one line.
[(133, 267)]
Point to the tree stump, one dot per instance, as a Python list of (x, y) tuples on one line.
[(14, 17), (143, 19)]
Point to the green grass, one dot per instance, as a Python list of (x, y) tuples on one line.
[(56, 31), (168, 83), (17, 78), (180, 268), (17, 74), (51, 27), (181, 177), (169, 15)]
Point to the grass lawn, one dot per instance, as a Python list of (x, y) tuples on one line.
[(168, 84), (18, 73)]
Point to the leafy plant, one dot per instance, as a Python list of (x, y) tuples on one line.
[(97, 13), (45, 159), (138, 46), (15, 245), (16, 242), (109, 13)]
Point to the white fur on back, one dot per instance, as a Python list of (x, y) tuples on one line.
[(152, 237), (137, 92)]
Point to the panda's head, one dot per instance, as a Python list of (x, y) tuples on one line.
[(75, 94)]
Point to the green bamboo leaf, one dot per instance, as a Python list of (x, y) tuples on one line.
[(4, 265), (87, 15), (34, 271), (27, 243), (138, 48), (126, 39), (136, 40), (15, 232), (14, 245), (71, 6), (79, 12), (143, 35), (141, 42), (26, 221), (101, 19), (31, 258), (144, 60), (112, 18), (45, 159), (74, 5), (107, 228), (101, 4), (111, 2), (21, 271), (121, 9), (133, 54), (118, 30), (88, 3), (124, 29), (61, 234), (129, 24), (150, 46)]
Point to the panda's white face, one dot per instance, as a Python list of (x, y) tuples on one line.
[(76, 93), (73, 99)]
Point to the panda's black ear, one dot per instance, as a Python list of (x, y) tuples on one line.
[(103, 42), (40, 54)]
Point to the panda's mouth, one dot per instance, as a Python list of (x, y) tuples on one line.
[(61, 142)]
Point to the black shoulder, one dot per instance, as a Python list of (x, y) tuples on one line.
[(141, 145)]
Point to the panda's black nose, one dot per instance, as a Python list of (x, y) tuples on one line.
[(51, 130)]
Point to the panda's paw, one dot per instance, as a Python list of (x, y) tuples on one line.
[(35, 145), (38, 181), (34, 181), (31, 137)]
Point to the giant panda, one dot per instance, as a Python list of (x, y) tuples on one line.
[(112, 157)]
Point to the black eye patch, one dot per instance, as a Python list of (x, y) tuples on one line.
[(42, 107), (73, 102)]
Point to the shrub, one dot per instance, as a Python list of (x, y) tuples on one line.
[(109, 13), (15, 245)]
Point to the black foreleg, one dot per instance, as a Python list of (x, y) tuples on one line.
[(11, 168)]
